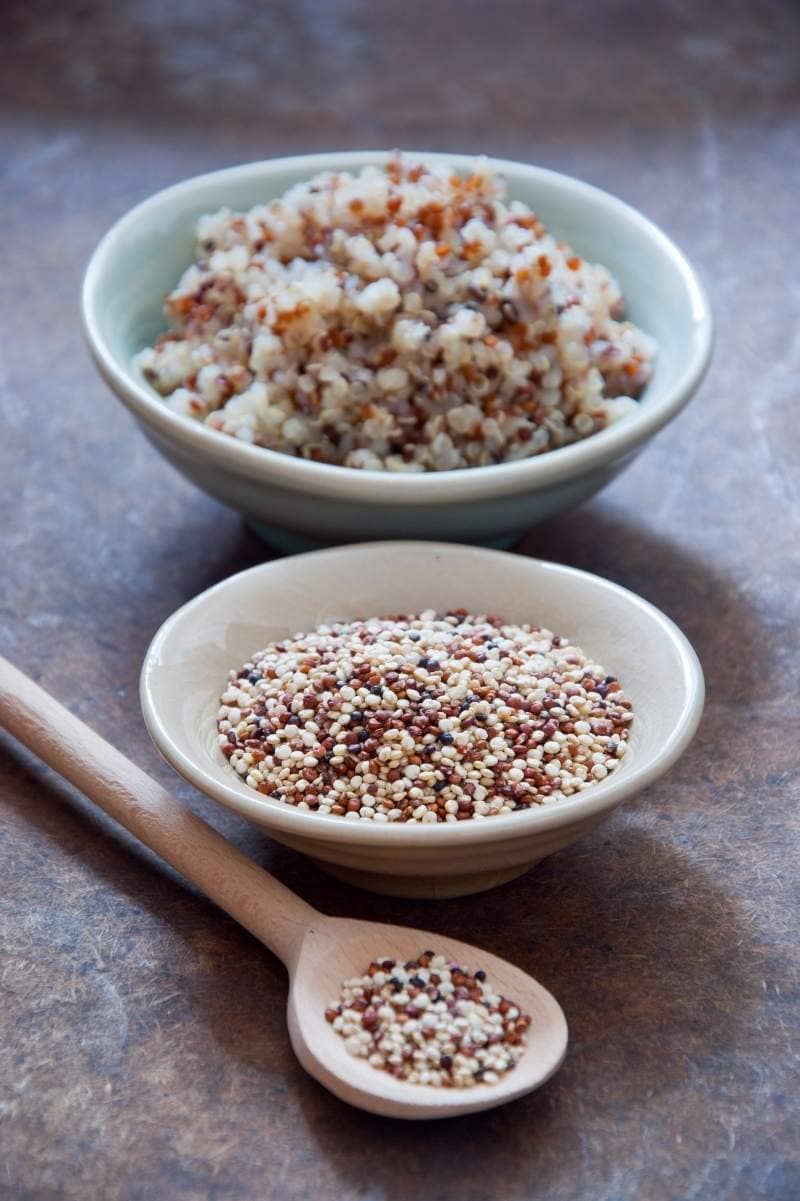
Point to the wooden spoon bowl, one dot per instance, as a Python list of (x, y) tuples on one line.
[(338, 949)]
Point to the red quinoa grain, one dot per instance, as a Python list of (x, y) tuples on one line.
[(426, 719), (430, 1021), (358, 319)]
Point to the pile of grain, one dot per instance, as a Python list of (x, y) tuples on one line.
[(403, 319)]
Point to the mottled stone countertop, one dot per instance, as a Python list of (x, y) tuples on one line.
[(144, 1054)]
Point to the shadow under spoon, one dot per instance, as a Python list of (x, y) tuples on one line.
[(319, 952)]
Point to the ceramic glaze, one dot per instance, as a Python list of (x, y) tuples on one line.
[(191, 655), (308, 503)]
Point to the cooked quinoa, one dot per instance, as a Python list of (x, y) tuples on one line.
[(428, 718), (430, 1021), (406, 318)]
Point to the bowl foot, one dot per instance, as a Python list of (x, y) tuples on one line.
[(423, 887), (287, 543)]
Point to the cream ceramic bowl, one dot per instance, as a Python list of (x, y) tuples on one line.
[(188, 661), (304, 503)]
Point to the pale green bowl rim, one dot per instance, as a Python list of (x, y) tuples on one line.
[(465, 484)]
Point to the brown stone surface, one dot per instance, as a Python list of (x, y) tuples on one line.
[(143, 1042)]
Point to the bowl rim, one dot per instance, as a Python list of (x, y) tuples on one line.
[(290, 821), (329, 480)]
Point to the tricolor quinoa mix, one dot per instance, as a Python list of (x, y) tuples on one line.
[(430, 1021), (406, 318), (428, 718)]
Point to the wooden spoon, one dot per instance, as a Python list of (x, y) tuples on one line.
[(318, 951)]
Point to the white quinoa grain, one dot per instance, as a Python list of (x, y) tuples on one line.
[(404, 319), (430, 1021), (423, 719)]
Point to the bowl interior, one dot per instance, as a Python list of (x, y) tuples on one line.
[(144, 255), (187, 664)]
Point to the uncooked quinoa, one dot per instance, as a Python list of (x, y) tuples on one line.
[(429, 718), (430, 1021), (406, 319)]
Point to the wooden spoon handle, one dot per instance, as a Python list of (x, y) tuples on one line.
[(255, 899)]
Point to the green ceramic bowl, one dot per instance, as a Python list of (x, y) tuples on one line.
[(303, 503)]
